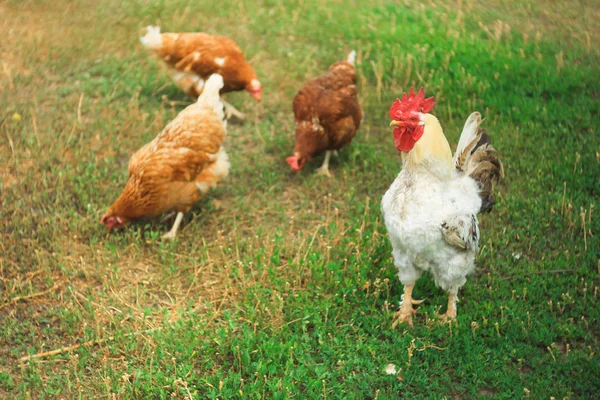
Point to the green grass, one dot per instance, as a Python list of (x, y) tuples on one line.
[(281, 285)]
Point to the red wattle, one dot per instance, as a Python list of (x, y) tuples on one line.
[(404, 142), (418, 132), (405, 139)]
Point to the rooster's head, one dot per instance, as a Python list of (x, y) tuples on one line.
[(406, 117)]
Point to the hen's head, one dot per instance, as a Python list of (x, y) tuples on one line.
[(297, 161), (112, 221), (406, 117), (255, 89)]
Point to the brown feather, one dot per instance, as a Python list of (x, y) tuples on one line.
[(484, 166), (463, 157)]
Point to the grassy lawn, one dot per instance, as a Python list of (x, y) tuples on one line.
[(281, 285)]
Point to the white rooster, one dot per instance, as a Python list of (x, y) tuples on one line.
[(430, 210)]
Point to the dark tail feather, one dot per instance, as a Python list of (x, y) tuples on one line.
[(486, 169), (476, 158)]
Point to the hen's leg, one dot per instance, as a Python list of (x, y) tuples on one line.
[(173, 232), (450, 314), (167, 216), (324, 169), (406, 307), (231, 110)]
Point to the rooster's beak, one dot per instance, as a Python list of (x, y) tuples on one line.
[(396, 123)]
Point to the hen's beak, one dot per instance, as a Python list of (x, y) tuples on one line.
[(396, 123), (293, 162), (255, 89), (256, 95)]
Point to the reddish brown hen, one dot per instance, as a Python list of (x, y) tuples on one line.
[(182, 163), (327, 114), (193, 57)]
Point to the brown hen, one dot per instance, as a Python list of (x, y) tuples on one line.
[(327, 114), (182, 163), (194, 56)]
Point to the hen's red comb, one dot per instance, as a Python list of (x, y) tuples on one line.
[(411, 102)]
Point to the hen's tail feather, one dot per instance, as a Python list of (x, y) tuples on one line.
[(351, 57), (152, 39), (210, 94), (476, 157)]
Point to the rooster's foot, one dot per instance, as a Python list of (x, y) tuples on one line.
[(406, 312), (447, 319), (450, 315)]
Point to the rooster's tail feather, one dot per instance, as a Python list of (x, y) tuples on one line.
[(476, 157), (468, 139)]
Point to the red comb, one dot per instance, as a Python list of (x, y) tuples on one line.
[(411, 102)]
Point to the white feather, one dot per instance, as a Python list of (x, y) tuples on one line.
[(212, 87), (351, 57), (468, 135), (414, 208), (221, 166), (219, 170), (152, 39), (210, 94)]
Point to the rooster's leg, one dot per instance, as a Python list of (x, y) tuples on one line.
[(324, 169), (450, 314), (171, 234), (406, 306), (231, 110)]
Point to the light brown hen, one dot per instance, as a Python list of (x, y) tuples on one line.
[(182, 163), (194, 56)]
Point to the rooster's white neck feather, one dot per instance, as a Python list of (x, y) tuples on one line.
[(432, 151)]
